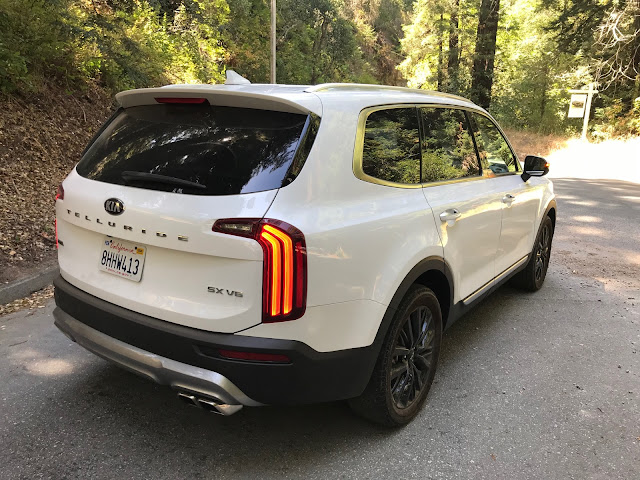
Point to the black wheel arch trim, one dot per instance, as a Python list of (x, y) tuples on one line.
[(427, 264), (552, 205)]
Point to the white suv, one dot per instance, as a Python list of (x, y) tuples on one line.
[(272, 244)]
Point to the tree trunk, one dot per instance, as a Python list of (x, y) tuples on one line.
[(545, 87), (484, 56), (440, 57), (318, 46), (635, 61), (453, 60)]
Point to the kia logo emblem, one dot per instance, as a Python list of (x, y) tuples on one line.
[(114, 206)]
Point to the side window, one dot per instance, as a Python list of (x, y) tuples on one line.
[(447, 147), (392, 145), (495, 155)]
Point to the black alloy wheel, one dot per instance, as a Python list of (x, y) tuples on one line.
[(412, 357), (531, 278), (406, 365), (543, 252)]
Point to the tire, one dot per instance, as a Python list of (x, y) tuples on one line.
[(533, 275), (407, 362)]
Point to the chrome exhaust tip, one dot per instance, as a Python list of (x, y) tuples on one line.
[(218, 408), (188, 399), (211, 405)]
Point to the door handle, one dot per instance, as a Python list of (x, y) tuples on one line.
[(450, 215), (508, 198)]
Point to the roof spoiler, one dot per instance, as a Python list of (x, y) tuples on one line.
[(229, 95)]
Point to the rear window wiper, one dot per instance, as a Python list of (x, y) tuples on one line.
[(157, 178)]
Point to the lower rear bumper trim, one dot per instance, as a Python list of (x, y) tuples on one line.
[(164, 371)]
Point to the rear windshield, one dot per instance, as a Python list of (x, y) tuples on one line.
[(199, 149)]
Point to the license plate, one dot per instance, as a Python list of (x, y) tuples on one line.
[(121, 258)]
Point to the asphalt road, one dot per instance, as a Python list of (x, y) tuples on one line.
[(543, 385)]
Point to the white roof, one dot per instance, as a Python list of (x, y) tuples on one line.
[(293, 98)]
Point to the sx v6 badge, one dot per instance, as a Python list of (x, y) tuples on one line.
[(222, 291)]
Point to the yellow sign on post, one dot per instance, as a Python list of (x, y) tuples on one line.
[(577, 104)]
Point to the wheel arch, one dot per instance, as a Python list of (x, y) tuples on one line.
[(432, 272), (550, 212)]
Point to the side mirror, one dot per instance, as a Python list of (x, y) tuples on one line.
[(534, 167)]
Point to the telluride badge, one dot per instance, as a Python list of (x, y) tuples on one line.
[(114, 206)]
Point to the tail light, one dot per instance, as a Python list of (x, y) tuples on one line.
[(59, 196), (284, 277)]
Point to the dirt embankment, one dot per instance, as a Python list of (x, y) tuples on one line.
[(530, 143), (41, 139)]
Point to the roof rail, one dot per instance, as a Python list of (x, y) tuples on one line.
[(355, 86)]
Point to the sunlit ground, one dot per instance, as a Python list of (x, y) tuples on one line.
[(612, 159), (574, 158)]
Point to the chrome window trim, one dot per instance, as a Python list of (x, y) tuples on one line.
[(359, 147)]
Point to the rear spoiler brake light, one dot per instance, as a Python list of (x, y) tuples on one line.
[(183, 100)]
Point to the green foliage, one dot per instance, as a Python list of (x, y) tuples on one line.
[(120, 43), (34, 40), (425, 45), (125, 44), (141, 46), (614, 122), (246, 39)]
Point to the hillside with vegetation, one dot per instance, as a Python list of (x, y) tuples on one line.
[(61, 61)]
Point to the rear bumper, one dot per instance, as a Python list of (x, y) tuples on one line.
[(187, 358)]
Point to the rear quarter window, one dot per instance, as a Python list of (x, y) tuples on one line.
[(391, 150), (226, 150)]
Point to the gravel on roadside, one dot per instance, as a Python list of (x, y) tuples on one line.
[(32, 302)]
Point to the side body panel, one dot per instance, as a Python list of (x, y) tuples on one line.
[(519, 218), (470, 243)]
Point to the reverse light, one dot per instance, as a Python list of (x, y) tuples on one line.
[(183, 100), (255, 356), (284, 272)]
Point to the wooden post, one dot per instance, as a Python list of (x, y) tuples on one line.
[(587, 111), (590, 92), (273, 42)]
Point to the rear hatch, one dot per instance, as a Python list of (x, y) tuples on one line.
[(135, 222)]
